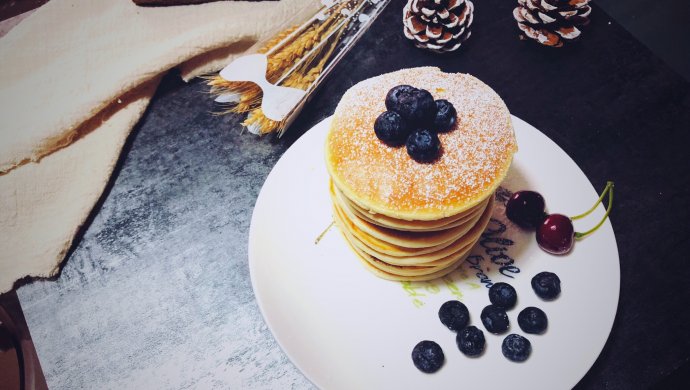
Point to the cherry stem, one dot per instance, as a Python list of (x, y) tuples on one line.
[(603, 194), (609, 190)]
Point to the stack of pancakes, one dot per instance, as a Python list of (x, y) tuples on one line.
[(408, 220)]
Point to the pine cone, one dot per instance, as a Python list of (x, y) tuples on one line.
[(438, 25), (552, 22)]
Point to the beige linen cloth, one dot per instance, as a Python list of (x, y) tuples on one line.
[(75, 76)]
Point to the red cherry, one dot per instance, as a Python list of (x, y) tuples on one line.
[(556, 234), (526, 209)]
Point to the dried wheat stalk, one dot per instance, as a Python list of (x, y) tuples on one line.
[(308, 50)]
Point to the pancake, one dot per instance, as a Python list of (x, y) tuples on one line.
[(411, 221), (413, 225), (434, 258), (438, 259), (381, 246), (401, 272), (368, 262), (421, 240), (476, 153), (384, 250)]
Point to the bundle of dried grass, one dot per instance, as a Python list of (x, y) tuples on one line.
[(297, 58)]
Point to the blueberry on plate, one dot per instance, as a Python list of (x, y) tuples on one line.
[(546, 285), (423, 146), (454, 315), (445, 116), (391, 128), (532, 320), (495, 319), (471, 341), (503, 295), (415, 105), (427, 356), (516, 348)]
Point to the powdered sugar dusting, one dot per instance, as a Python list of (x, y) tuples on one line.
[(475, 154)]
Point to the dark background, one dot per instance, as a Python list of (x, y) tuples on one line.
[(661, 25)]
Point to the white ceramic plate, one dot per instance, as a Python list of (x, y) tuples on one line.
[(344, 328)]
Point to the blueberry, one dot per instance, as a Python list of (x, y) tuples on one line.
[(415, 105), (516, 348), (391, 128), (423, 146), (427, 356), (425, 112), (503, 295), (495, 319), (399, 95), (454, 315), (470, 341), (445, 116), (532, 320), (546, 285)]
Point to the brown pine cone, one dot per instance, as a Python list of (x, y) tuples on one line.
[(552, 22), (438, 25)]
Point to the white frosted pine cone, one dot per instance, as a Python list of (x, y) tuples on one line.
[(438, 25), (552, 22)]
